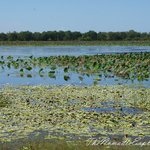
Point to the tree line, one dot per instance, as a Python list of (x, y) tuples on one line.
[(72, 36)]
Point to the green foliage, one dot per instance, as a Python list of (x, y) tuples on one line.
[(127, 66), (73, 36), (25, 36), (89, 36)]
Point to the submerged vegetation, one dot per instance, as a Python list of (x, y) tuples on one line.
[(73, 113)]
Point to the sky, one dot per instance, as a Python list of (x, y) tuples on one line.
[(74, 15)]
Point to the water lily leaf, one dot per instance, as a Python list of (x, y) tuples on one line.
[(66, 78), (66, 69), (29, 68), (29, 75)]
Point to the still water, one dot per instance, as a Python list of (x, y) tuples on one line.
[(68, 50), (12, 77)]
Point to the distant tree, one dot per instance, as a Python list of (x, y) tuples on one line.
[(148, 36), (111, 36), (68, 36), (60, 35), (114, 36), (102, 36), (89, 36), (123, 35), (51, 36), (3, 37), (12, 36), (25, 36), (76, 35), (44, 36), (131, 35), (144, 36), (37, 36)]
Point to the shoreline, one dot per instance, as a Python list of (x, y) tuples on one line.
[(74, 43)]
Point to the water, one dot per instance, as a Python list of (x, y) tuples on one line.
[(12, 76), (68, 50), (123, 110)]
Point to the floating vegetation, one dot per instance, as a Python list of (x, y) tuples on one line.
[(71, 111), (127, 66), (3, 100), (66, 78), (75, 112)]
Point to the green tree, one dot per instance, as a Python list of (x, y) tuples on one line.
[(76, 35), (102, 36), (12, 36), (68, 36), (131, 35), (60, 35), (25, 36), (3, 37), (37, 36), (114, 36), (44, 36), (89, 36)]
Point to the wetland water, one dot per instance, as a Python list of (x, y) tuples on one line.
[(39, 51), (117, 111), (11, 75)]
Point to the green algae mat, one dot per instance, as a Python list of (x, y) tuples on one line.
[(74, 112)]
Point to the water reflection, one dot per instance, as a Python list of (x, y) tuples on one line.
[(58, 77)]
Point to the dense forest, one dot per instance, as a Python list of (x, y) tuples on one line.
[(72, 36)]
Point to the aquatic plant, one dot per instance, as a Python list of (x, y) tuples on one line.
[(3, 101), (74, 112), (127, 66)]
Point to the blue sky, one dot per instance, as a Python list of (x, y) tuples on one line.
[(74, 15)]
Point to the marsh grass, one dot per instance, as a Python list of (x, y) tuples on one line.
[(76, 43)]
